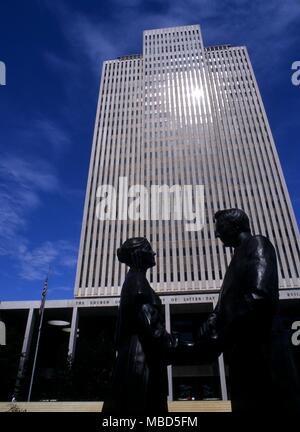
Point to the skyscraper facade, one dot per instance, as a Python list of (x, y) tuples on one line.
[(182, 114)]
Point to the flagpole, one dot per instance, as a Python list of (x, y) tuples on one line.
[(42, 308)]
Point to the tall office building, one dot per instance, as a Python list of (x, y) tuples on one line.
[(182, 114)]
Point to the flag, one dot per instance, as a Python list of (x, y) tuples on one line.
[(44, 293)]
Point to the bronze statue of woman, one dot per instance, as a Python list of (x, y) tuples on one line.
[(139, 383)]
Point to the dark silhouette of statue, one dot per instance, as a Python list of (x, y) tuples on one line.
[(246, 325), (139, 383)]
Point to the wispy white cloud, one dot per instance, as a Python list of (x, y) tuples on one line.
[(53, 134), (57, 62), (35, 262), (44, 133), (28, 174), (24, 184), (22, 181)]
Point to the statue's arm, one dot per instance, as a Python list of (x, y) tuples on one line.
[(153, 332), (209, 342)]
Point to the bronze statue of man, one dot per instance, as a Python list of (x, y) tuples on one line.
[(140, 383), (246, 326)]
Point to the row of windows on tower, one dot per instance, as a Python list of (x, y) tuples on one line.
[(177, 36), (114, 70), (109, 106), (170, 34), (231, 71), (169, 46), (186, 56), (172, 63), (232, 52), (166, 49)]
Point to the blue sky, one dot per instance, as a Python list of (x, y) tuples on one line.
[(53, 53)]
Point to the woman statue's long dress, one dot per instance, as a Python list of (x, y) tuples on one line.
[(143, 345)]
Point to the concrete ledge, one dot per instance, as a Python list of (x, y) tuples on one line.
[(196, 406)]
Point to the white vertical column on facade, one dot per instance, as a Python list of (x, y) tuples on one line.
[(205, 145), (187, 162), (209, 169), (126, 148), (157, 158), (221, 139), (222, 377), (146, 163), (108, 175), (140, 106), (213, 93), (212, 192), (113, 174), (73, 335), (160, 166), (194, 150), (168, 226), (121, 100), (217, 202), (177, 156), (25, 351), (135, 151), (173, 174), (190, 157), (181, 93), (117, 112), (147, 169), (181, 236), (199, 147), (210, 184), (139, 130), (100, 179)]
